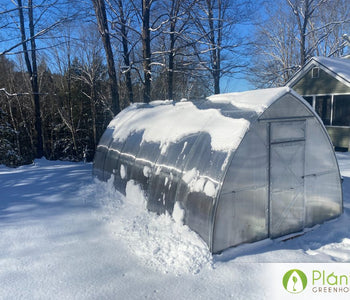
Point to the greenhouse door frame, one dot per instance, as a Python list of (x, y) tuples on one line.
[(286, 200)]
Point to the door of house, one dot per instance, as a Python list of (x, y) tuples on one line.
[(286, 176)]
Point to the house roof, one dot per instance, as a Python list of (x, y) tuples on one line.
[(336, 67)]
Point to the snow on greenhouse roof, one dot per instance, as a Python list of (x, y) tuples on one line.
[(168, 122), (256, 100)]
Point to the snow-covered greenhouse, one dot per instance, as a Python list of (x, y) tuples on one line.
[(242, 166)]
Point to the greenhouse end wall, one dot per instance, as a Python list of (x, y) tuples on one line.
[(283, 178)]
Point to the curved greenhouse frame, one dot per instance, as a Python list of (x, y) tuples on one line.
[(243, 166)]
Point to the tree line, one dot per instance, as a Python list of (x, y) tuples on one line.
[(66, 68)]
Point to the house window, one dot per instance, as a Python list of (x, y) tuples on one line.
[(341, 110), (315, 72), (323, 108), (308, 99)]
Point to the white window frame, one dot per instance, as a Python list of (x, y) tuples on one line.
[(332, 103), (313, 70)]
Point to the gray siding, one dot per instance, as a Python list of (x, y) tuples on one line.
[(325, 84)]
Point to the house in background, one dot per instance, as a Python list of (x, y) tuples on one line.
[(325, 83)]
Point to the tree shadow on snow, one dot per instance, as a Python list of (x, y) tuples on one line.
[(42, 189)]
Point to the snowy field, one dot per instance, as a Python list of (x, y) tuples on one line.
[(65, 236)]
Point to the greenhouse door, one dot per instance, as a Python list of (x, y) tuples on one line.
[(286, 199)]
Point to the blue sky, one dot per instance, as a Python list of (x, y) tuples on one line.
[(229, 84)]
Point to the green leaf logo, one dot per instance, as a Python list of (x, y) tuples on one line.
[(294, 281)]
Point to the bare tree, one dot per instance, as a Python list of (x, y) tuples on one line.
[(34, 21), (274, 59), (220, 45), (126, 52), (179, 17), (146, 48), (293, 32), (101, 16), (328, 27), (122, 15), (32, 70), (303, 12)]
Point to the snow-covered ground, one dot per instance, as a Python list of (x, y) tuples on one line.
[(65, 236)]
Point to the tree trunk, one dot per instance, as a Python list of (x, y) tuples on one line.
[(14, 126), (303, 33), (146, 50), (33, 73), (23, 38), (302, 15), (93, 114), (126, 54), (70, 105), (171, 62), (175, 6), (100, 11), (35, 87), (215, 48)]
